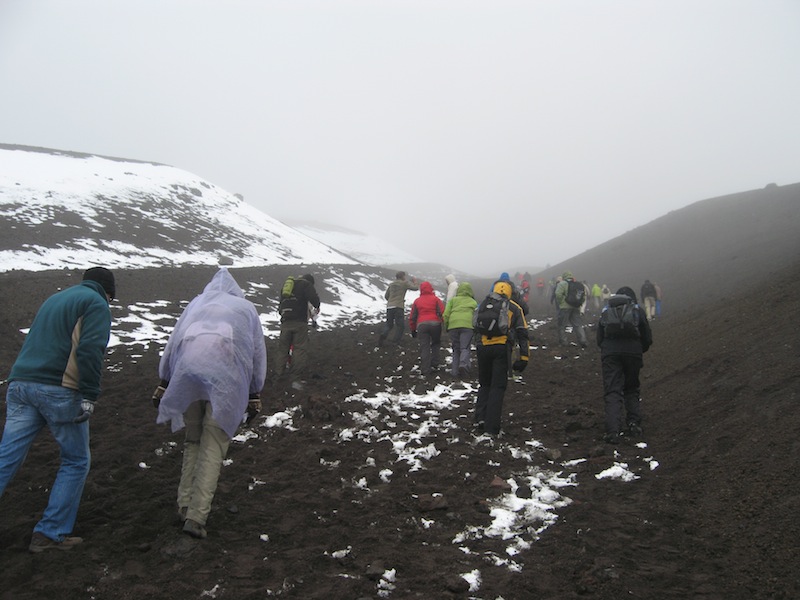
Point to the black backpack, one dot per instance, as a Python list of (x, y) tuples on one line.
[(576, 293), (491, 317), (620, 318)]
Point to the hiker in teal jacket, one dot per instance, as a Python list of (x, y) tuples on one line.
[(55, 382), (458, 323)]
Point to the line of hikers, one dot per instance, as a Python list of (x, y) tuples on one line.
[(498, 327), (214, 366)]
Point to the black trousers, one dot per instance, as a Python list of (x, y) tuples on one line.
[(492, 383), (621, 391)]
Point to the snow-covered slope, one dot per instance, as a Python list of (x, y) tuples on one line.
[(67, 210)]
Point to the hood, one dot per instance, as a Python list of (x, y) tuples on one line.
[(627, 292), (224, 282), (465, 289), (425, 288), (567, 275), (450, 279)]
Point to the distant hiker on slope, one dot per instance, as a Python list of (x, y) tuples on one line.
[(501, 325), (299, 300), (425, 322), (395, 307), (649, 297), (570, 295), (452, 287), (623, 335), (458, 316)]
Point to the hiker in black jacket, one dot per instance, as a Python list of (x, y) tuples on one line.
[(621, 358), (649, 296), (295, 311)]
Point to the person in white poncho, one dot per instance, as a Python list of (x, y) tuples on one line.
[(212, 372)]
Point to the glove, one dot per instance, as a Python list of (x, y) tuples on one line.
[(413, 334), (253, 408), (157, 395), (87, 410), (519, 365)]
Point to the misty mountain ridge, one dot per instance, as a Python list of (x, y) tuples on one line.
[(366, 248), (69, 210)]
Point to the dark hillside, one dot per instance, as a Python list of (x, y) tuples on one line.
[(701, 253)]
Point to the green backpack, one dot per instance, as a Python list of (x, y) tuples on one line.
[(288, 287)]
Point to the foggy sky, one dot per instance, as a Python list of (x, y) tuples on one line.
[(484, 135)]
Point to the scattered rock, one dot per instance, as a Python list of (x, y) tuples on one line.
[(432, 502), (456, 584), (500, 483)]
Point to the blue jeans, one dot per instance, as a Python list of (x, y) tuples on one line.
[(29, 407)]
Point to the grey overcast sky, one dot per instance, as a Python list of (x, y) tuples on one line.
[(483, 135)]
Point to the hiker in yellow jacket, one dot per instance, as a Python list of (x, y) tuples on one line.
[(493, 357)]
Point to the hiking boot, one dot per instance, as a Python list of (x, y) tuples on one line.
[(611, 438), (634, 429), (182, 513), (40, 543), (194, 529)]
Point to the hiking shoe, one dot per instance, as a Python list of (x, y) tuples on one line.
[(40, 543), (194, 529), (634, 429), (182, 513)]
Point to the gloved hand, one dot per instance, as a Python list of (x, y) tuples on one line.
[(253, 408), (158, 394), (87, 410), (519, 365), (413, 334)]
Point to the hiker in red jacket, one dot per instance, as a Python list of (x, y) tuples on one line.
[(425, 322)]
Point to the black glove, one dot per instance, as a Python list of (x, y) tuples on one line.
[(413, 334), (253, 408), (87, 408), (519, 365), (157, 395)]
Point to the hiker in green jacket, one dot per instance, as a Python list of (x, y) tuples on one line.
[(458, 323)]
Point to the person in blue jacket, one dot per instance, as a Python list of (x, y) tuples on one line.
[(55, 382)]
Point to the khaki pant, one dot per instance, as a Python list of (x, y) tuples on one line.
[(204, 448)]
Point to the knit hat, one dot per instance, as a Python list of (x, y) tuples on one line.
[(309, 278), (626, 291), (104, 277)]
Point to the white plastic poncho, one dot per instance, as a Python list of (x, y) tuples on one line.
[(216, 352)]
